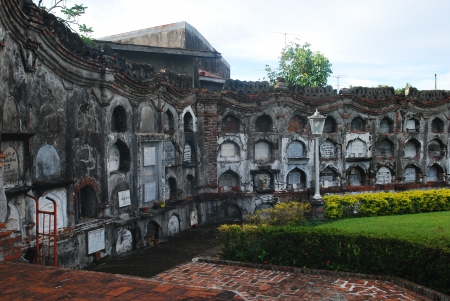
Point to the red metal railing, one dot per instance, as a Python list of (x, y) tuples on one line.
[(45, 239)]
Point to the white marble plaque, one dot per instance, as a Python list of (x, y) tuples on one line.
[(262, 151), (228, 150), (149, 192), (173, 225), (187, 152), (294, 177), (124, 198), (194, 217), (384, 176), (96, 240), (11, 166), (410, 174), (170, 154), (410, 150), (124, 242), (226, 180), (358, 149), (327, 149), (295, 150), (432, 174), (411, 125), (114, 158), (149, 156)]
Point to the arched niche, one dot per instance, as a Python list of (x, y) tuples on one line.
[(263, 150), (296, 178), (168, 121), (295, 149), (412, 174), (48, 163), (173, 226), (436, 148), (11, 120), (263, 180), (330, 125), (147, 120), (86, 118), (357, 125), (11, 167), (385, 148), (46, 205), (296, 124), (229, 151), (228, 180), (412, 148), (437, 125), (230, 212), (357, 149), (412, 125), (230, 124), (169, 153), (327, 177), (188, 123), (384, 175), (153, 230), (49, 119), (189, 153), (263, 124), (386, 125), (189, 187), (435, 173), (119, 157), (119, 120), (327, 149), (86, 203), (356, 176), (171, 188)]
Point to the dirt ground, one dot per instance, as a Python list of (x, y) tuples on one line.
[(172, 251)]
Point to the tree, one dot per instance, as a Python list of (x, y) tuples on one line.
[(398, 91), (299, 65), (71, 17)]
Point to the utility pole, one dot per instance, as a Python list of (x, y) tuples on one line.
[(435, 81), (338, 77)]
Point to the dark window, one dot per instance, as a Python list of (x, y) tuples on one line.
[(357, 125), (385, 148), (263, 124), (190, 185), (188, 122), (330, 125), (172, 188), (437, 126), (230, 124), (356, 176), (86, 203), (385, 125), (168, 121), (119, 120), (296, 177)]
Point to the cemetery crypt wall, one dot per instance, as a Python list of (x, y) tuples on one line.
[(104, 137)]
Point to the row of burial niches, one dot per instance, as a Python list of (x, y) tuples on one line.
[(358, 153)]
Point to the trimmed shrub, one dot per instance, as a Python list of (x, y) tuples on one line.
[(286, 213)]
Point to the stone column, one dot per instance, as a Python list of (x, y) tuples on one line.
[(3, 200)]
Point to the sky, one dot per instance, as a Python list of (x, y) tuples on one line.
[(387, 42)]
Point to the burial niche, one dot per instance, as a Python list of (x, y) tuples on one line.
[(384, 175), (188, 154), (124, 241), (86, 203), (11, 120), (327, 149), (229, 151), (327, 177), (296, 124), (262, 181), (296, 178), (228, 180), (11, 167), (230, 212), (385, 148), (171, 188), (295, 149), (190, 185), (168, 121), (169, 152), (356, 176), (262, 151), (412, 125), (147, 120), (412, 148), (263, 124), (411, 174), (385, 125), (173, 225), (119, 157), (435, 149), (330, 125), (48, 163), (119, 120), (437, 125), (230, 124), (188, 123), (357, 149), (357, 125), (434, 173)]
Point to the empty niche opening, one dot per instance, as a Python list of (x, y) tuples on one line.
[(168, 121), (385, 148), (435, 173), (327, 149), (412, 148), (119, 120), (11, 120), (171, 188), (230, 212), (230, 124), (412, 174), (190, 185), (169, 152), (383, 175), (436, 149), (296, 124), (188, 123), (263, 124), (229, 151), (386, 125), (412, 125), (86, 203), (147, 120), (330, 125), (437, 125), (357, 124), (48, 165), (295, 149), (262, 151), (229, 181), (296, 179), (357, 149), (328, 177), (152, 230), (119, 157), (356, 176)]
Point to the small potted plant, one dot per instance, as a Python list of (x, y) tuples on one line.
[(155, 205)]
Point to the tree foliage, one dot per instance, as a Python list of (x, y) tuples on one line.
[(71, 16), (397, 91), (298, 64)]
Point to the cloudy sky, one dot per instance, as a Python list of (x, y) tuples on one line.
[(389, 42)]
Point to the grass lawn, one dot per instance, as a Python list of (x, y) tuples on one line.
[(430, 228)]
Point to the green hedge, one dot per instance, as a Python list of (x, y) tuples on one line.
[(338, 250), (387, 203)]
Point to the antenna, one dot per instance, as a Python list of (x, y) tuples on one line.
[(338, 77), (285, 33), (434, 81)]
